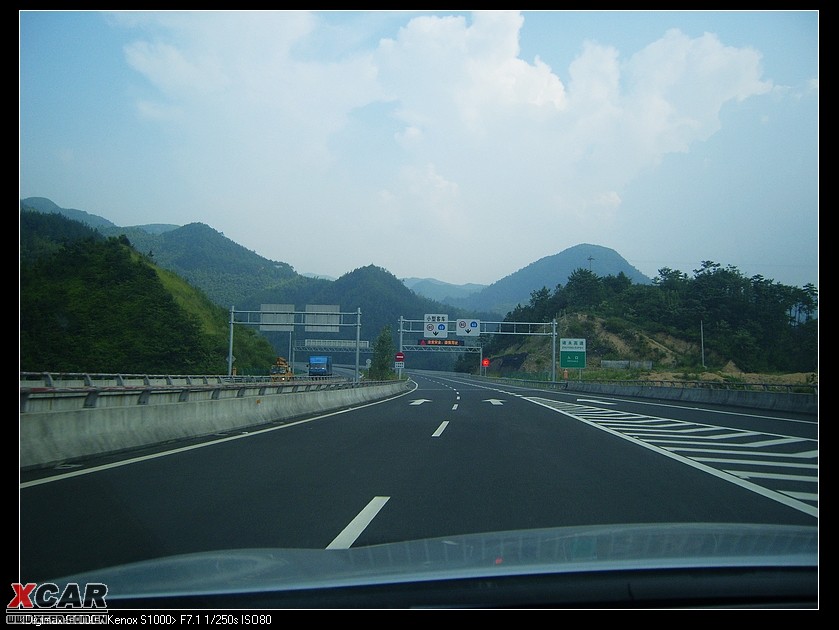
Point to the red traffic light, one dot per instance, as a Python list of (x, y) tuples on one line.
[(485, 362)]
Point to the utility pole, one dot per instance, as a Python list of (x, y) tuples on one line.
[(590, 258)]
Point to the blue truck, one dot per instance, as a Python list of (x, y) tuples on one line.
[(320, 366)]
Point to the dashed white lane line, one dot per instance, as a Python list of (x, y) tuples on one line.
[(352, 531)]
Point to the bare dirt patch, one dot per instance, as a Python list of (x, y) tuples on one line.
[(794, 378)]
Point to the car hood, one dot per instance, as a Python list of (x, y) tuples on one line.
[(520, 552)]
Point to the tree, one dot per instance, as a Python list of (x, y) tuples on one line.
[(584, 290), (94, 306), (756, 323), (384, 351)]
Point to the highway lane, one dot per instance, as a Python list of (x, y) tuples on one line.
[(775, 454), (452, 456), (799, 424)]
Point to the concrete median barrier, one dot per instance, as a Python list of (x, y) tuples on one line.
[(57, 426)]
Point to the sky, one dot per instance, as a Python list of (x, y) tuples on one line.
[(460, 146)]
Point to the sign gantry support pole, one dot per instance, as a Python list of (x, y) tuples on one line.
[(230, 346), (292, 314), (357, 343)]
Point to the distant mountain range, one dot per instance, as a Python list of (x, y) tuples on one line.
[(87, 295), (503, 295), (442, 291), (232, 275)]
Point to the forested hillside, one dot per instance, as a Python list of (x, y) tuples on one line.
[(94, 304), (380, 295), (225, 271), (754, 323), (505, 294), (98, 304)]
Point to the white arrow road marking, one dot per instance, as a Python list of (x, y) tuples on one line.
[(419, 401), (494, 401)]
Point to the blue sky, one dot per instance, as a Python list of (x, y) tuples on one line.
[(452, 145)]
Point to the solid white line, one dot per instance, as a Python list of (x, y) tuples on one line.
[(724, 475), (351, 532), (246, 433), (441, 428), (801, 455), (803, 496), (753, 474), (748, 462)]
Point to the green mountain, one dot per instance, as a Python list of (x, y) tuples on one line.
[(231, 274), (42, 204), (205, 262), (227, 272), (441, 291), (93, 304), (504, 295), (755, 323), (380, 295)]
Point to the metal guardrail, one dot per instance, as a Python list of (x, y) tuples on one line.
[(80, 379), (781, 388), (96, 390), (102, 389), (782, 397)]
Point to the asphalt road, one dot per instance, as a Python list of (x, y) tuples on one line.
[(450, 457)]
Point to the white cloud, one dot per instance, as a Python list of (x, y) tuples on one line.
[(470, 104), (293, 114)]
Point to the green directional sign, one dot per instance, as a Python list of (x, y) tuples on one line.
[(572, 353), (572, 359)]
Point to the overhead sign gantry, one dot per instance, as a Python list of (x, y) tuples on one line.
[(435, 329), (283, 317)]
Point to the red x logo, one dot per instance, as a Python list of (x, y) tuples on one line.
[(22, 593)]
